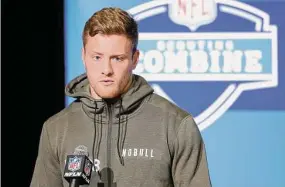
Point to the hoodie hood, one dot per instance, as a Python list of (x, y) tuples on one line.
[(78, 88)]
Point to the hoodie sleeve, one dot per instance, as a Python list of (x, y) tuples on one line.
[(47, 170), (189, 166)]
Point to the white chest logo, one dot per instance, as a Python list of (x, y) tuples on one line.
[(138, 152)]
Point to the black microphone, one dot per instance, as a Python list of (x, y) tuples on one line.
[(78, 168)]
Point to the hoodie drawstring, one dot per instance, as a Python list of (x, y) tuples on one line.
[(97, 135), (94, 147), (120, 141), (122, 130), (100, 137)]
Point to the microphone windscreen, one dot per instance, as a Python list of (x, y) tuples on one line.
[(81, 150)]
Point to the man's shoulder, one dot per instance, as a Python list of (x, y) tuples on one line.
[(62, 116), (167, 106), (177, 116)]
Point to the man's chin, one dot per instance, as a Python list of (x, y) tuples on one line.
[(109, 95)]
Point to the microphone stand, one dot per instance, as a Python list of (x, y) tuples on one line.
[(74, 183)]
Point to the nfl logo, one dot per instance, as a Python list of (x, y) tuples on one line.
[(192, 13), (74, 163), (87, 168)]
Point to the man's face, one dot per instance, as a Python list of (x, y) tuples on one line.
[(109, 61)]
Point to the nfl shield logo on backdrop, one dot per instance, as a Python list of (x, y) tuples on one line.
[(74, 163), (193, 13)]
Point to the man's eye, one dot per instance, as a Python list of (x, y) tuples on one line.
[(96, 58), (117, 59)]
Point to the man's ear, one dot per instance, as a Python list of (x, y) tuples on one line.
[(136, 56), (82, 56)]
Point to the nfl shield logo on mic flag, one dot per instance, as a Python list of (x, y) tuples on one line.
[(87, 168), (74, 163)]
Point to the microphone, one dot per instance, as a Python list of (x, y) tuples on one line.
[(78, 168)]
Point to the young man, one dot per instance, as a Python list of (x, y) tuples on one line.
[(134, 137)]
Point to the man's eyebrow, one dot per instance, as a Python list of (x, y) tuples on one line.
[(119, 55), (95, 52)]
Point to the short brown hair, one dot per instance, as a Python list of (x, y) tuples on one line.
[(109, 21)]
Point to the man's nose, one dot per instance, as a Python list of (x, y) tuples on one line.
[(107, 68)]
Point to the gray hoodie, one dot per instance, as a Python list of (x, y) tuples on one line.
[(139, 139)]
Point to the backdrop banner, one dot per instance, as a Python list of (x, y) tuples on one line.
[(221, 60)]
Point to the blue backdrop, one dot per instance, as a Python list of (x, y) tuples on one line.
[(223, 61)]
